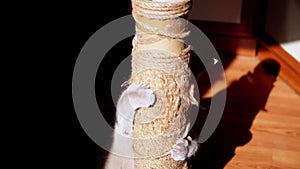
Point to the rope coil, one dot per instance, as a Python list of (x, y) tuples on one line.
[(161, 10)]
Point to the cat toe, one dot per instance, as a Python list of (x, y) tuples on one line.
[(179, 150), (184, 148)]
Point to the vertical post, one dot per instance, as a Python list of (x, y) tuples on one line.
[(160, 58)]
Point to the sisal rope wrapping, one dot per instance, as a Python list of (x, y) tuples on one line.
[(161, 10), (160, 58)]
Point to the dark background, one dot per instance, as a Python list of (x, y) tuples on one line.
[(50, 36), (83, 20)]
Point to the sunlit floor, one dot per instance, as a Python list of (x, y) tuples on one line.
[(260, 127)]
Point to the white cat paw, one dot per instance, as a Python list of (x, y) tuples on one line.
[(184, 148), (140, 95)]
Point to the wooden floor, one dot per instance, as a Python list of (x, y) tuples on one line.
[(260, 127)]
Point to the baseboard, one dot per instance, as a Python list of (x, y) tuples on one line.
[(290, 67)]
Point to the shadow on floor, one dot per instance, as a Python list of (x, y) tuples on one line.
[(245, 98)]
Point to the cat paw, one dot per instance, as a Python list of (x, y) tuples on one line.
[(140, 95), (184, 148)]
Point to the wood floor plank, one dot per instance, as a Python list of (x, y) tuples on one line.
[(272, 133)]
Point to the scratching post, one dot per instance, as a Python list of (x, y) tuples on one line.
[(160, 58)]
